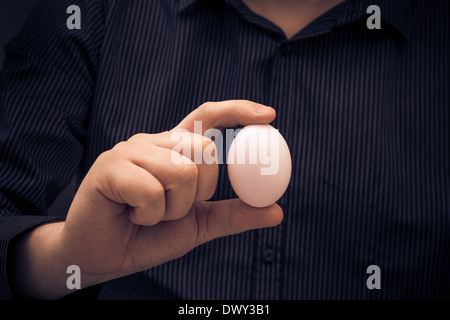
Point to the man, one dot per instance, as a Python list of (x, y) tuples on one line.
[(365, 113)]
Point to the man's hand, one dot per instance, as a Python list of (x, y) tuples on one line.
[(137, 208)]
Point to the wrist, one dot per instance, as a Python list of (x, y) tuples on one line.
[(37, 268)]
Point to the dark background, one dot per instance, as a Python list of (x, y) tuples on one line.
[(13, 14)]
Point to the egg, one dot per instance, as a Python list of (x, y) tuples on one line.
[(259, 165)]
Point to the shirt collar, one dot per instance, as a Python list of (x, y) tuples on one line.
[(397, 13)]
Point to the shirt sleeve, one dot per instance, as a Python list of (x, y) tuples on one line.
[(46, 91)]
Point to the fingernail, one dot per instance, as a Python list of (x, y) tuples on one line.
[(260, 108)]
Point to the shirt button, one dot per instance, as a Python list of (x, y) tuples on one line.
[(286, 48), (268, 255)]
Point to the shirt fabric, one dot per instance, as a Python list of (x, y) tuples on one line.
[(365, 112)]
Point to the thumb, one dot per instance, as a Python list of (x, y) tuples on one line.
[(227, 217)]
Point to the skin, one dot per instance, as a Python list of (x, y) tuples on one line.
[(291, 16), (137, 209)]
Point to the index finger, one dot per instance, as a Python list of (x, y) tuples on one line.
[(228, 113)]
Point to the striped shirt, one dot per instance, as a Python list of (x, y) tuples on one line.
[(366, 114)]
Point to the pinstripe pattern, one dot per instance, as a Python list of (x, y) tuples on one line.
[(365, 113)]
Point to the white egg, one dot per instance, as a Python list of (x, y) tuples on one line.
[(259, 165)]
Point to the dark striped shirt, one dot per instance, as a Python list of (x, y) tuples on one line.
[(366, 114)]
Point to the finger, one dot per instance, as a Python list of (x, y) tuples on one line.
[(229, 113), (183, 181), (203, 152), (194, 148), (178, 177), (222, 218), (132, 185)]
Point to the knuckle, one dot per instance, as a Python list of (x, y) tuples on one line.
[(103, 157), (205, 105), (206, 108), (156, 194), (108, 157), (119, 149), (189, 173), (202, 229), (137, 137)]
